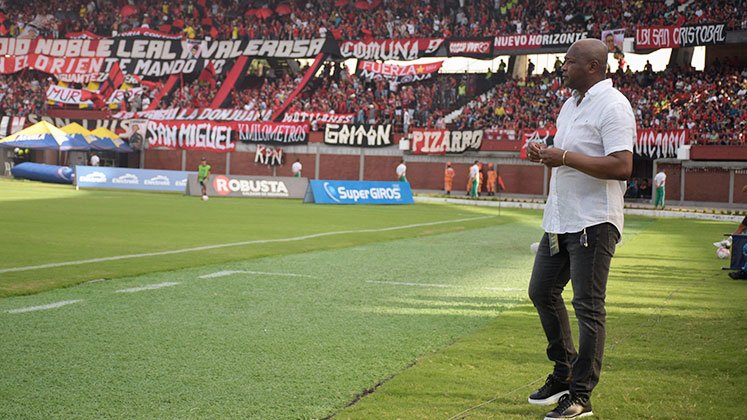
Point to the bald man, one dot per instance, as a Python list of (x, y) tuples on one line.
[(591, 158)]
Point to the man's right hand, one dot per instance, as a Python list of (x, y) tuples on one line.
[(533, 149)]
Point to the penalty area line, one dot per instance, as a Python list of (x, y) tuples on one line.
[(243, 243)]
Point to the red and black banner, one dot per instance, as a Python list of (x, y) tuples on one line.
[(287, 134), (191, 135), (194, 114), (394, 70), (315, 118), (540, 135), (503, 140), (439, 142), (222, 136), (535, 41), (373, 70), (648, 37), (660, 144), (358, 135), (142, 56), (390, 49), (470, 47)]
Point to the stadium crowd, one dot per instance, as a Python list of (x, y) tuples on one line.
[(345, 19), (712, 102), (23, 93), (387, 101)]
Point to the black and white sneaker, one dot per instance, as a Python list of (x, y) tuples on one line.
[(570, 407), (550, 392)]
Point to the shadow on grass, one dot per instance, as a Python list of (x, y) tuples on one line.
[(686, 339)]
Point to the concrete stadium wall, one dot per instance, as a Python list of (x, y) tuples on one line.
[(713, 182)]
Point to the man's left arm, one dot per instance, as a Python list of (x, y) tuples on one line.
[(618, 136), (616, 165)]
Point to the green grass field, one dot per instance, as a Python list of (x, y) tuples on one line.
[(273, 309)]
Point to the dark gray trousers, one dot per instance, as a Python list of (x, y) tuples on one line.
[(587, 266)]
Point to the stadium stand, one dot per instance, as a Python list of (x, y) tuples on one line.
[(343, 19), (711, 105)]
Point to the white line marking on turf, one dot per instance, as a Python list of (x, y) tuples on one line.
[(401, 283), (217, 246), (147, 287), (43, 307), (261, 273)]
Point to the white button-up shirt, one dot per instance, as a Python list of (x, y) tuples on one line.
[(602, 124), (401, 169), (474, 170)]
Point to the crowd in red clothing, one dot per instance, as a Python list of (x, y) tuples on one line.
[(303, 19), (712, 103), (196, 94), (384, 101), (264, 94), (517, 104), (23, 93)]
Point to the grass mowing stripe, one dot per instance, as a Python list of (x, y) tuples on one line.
[(608, 350), (261, 273), (147, 287), (56, 225), (271, 348), (465, 413), (43, 307), (253, 242)]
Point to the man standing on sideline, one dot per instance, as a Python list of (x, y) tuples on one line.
[(203, 173), (591, 158), (474, 178), (660, 182), (95, 160), (448, 178), (402, 171), (296, 168)]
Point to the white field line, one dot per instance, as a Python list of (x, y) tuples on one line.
[(401, 283), (147, 287), (43, 307), (218, 246), (261, 273)]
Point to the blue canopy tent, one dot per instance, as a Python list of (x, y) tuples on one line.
[(44, 136)]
